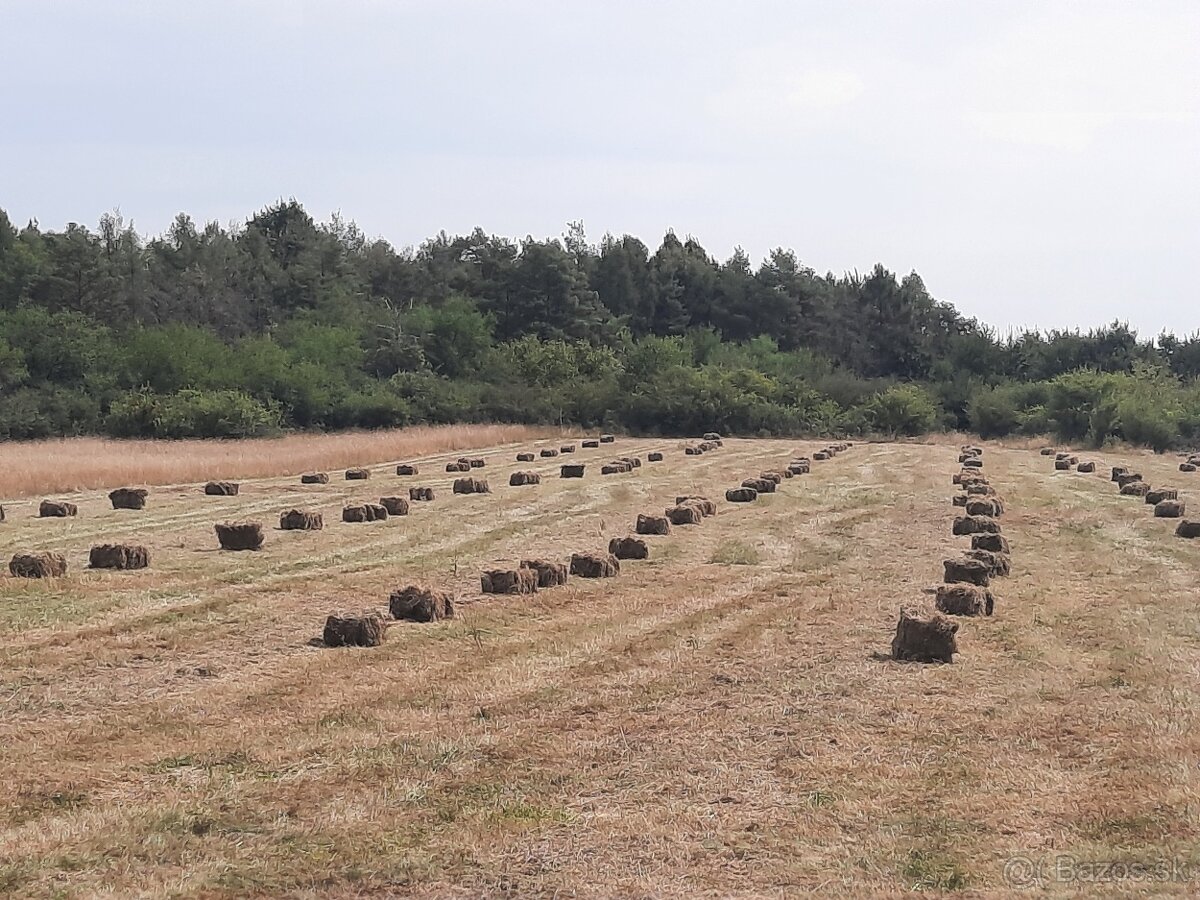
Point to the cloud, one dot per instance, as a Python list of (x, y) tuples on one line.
[(771, 92)]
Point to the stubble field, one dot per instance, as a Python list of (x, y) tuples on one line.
[(720, 719)]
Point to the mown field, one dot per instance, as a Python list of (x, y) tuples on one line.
[(718, 720)]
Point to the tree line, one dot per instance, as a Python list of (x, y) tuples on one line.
[(289, 323)]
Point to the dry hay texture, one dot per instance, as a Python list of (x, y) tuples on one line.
[(418, 603), (517, 479), (57, 509), (572, 471), (315, 478), (368, 630), (239, 535), (394, 506), (509, 581), (594, 565), (407, 469), (690, 727), (628, 548), (652, 524), (471, 486), (357, 474), (222, 489), (46, 564)]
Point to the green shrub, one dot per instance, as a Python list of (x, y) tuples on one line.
[(902, 410)]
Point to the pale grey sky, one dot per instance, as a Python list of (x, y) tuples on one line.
[(1036, 162)]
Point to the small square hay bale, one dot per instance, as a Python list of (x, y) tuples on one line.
[(967, 570), (315, 478), (516, 479), (762, 485), (476, 462), (509, 581), (525, 457), (999, 564), (357, 474), (653, 524), (608, 438), (1188, 528), (1088, 466), (395, 506), (975, 525), (628, 548), (367, 630), (548, 452), (118, 556), (926, 637), (1158, 495), (129, 498), (996, 543), (57, 509), (407, 469), (420, 494), (222, 489), (591, 445), (47, 564), (239, 535), (471, 486), (460, 466), (594, 565), (549, 574), (567, 448), (301, 520), (1135, 489), (741, 495), (420, 604), (654, 456), (964, 600), (1168, 509), (707, 507), (572, 471), (684, 514)]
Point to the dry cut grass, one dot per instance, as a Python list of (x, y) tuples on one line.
[(34, 468), (719, 720)]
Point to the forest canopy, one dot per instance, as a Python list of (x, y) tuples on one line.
[(289, 323)]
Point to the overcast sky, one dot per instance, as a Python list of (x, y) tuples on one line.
[(1036, 162)]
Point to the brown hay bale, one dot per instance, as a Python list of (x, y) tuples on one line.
[(634, 462), (239, 535), (1118, 471), (1158, 495), (629, 548), (771, 476), (1088, 466), (356, 513), (549, 574), (614, 469), (1062, 454), (965, 600), (222, 489), (762, 485), (959, 499), (572, 471), (471, 486), (458, 467), (800, 466), (594, 565), (973, 463), (420, 494), (711, 436), (685, 514), (57, 509), (741, 495), (975, 525), (48, 564), (354, 631), (966, 569), (706, 446), (395, 506), (1128, 478), (1, 513), (999, 564), (567, 448), (315, 478), (118, 556), (990, 506), (509, 581), (357, 474), (420, 604), (1188, 528), (1135, 489), (517, 479), (591, 445), (608, 438), (407, 469), (996, 543), (376, 512), (963, 457), (129, 498), (1048, 451), (979, 489), (652, 524), (925, 638), (1187, 467), (1168, 509), (301, 520), (654, 456), (692, 451), (476, 462), (1062, 465), (707, 507), (525, 457), (822, 455)]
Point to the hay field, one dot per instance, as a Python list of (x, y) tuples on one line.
[(713, 722)]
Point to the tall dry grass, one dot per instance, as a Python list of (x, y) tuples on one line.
[(29, 468)]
